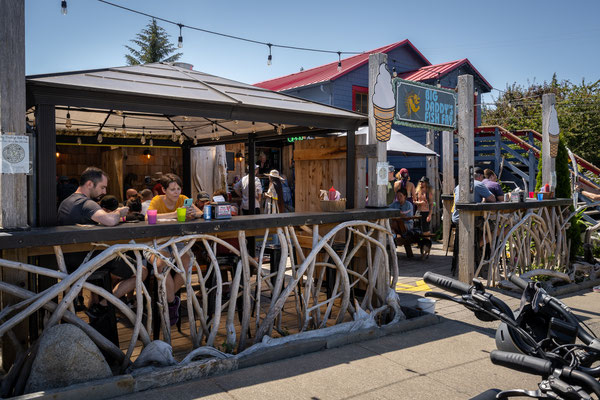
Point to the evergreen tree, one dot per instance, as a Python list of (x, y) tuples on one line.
[(154, 46)]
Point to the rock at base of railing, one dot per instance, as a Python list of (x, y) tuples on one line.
[(66, 355), (271, 349)]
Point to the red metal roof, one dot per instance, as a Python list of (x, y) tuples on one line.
[(439, 70), (329, 72)]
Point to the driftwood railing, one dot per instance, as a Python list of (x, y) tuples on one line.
[(300, 279), (521, 236)]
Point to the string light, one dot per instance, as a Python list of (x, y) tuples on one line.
[(68, 123), (180, 40), (339, 67), (195, 142), (123, 130), (279, 129), (147, 153), (270, 57), (270, 45), (151, 142), (78, 140), (63, 7), (143, 138), (99, 138), (181, 139), (394, 73), (119, 112), (253, 127), (173, 135)]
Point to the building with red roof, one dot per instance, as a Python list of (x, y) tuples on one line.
[(348, 87)]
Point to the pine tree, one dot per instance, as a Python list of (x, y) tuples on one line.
[(154, 46)]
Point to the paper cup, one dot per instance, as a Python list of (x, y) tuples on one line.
[(152, 215)]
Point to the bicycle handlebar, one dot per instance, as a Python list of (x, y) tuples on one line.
[(518, 281), (449, 284), (522, 363)]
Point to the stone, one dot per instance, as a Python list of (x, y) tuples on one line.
[(157, 353), (66, 355)]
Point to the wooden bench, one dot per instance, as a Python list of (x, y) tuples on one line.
[(399, 228)]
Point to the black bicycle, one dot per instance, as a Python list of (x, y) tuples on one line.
[(539, 338)]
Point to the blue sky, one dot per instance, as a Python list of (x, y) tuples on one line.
[(507, 41)]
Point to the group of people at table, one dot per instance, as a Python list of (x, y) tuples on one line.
[(89, 205)]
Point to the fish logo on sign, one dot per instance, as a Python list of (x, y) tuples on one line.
[(412, 103)]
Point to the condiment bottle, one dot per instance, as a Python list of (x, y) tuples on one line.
[(331, 194)]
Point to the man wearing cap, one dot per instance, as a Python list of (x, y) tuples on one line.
[(201, 199), (391, 194), (241, 188), (481, 194)]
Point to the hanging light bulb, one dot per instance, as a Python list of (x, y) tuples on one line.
[(270, 57), (68, 123), (123, 129), (57, 153), (181, 139), (253, 127), (214, 126), (339, 67), (195, 142), (394, 73), (279, 129), (119, 112), (180, 40), (78, 140), (151, 142), (63, 7), (143, 139), (147, 153), (173, 135), (236, 122), (99, 138)]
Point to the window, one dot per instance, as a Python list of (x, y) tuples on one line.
[(360, 99)]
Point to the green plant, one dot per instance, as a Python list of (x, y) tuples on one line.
[(154, 46), (227, 347)]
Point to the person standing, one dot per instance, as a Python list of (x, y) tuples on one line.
[(422, 201), (391, 192), (403, 181), (275, 193), (241, 189)]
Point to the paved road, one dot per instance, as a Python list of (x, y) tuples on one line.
[(449, 360)]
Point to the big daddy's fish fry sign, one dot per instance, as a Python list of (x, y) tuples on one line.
[(424, 106)]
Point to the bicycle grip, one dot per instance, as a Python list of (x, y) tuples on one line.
[(517, 280), (521, 362), (449, 284)]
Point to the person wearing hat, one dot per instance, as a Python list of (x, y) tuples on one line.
[(241, 189), (480, 194), (275, 193), (403, 181), (391, 193), (423, 202), (201, 199)]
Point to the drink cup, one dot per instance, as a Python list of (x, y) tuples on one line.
[(540, 196), (207, 210), (181, 211), (152, 215), (532, 195)]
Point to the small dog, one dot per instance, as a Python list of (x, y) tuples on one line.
[(425, 247)]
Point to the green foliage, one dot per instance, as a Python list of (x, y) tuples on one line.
[(154, 46), (577, 106)]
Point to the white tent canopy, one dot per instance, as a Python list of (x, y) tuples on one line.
[(400, 144)]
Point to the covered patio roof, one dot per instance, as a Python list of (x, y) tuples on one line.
[(165, 100)]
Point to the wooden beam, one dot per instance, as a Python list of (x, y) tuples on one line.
[(466, 225), (350, 169), (361, 172), (448, 183), (377, 193), (13, 187), (46, 164), (548, 162)]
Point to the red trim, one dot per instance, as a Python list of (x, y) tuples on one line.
[(357, 89)]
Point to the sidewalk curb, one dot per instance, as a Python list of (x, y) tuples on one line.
[(152, 378)]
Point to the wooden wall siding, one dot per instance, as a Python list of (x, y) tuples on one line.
[(313, 174), (74, 159)]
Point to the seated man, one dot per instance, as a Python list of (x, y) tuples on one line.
[(81, 208)]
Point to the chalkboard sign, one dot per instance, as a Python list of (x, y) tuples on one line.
[(229, 157)]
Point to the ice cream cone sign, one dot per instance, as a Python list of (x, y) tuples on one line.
[(384, 104), (554, 131)]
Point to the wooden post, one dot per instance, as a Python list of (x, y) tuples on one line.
[(533, 162), (45, 137), (498, 150), (186, 166), (548, 162), (448, 189), (466, 155), (13, 187), (361, 175), (433, 176), (377, 193), (350, 168)]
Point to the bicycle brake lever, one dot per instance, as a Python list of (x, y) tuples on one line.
[(536, 394)]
